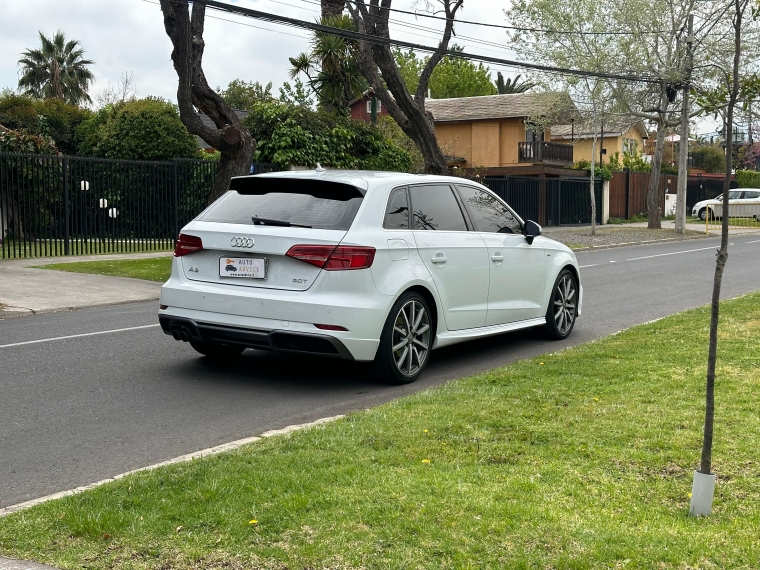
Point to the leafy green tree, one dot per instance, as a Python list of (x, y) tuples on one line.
[(331, 66), (452, 77), (241, 94), (296, 94), (23, 142), (504, 87), (51, 118), (144, 129), (57, 69), (291, 135)]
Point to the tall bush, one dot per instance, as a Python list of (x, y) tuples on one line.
[(51, 118), (143, 129), (290, 135), (748, 178)]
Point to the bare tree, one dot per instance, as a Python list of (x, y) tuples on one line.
[(379, 67), (230, 137), (125, 90)]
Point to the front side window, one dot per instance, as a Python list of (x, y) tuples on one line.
[(733, 195), (436, 208), (397, 214), (487, 213)]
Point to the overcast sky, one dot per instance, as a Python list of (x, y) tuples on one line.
[(128, 36)]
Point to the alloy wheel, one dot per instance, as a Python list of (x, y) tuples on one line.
[(565, 304), (411, 338)]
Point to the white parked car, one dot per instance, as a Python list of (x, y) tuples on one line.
[(742, 203), (367, 266)]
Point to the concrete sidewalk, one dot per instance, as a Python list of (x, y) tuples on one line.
[(13, 564), (25, 290)]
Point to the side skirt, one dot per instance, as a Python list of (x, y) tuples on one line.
[(453, 337)]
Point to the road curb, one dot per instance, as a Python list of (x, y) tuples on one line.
[(181, 459), (16, 312)]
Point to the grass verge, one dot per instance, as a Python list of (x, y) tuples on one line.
[(578, 459), (152, 269)]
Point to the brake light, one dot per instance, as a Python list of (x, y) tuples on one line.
[(332, 258), (187, 244)]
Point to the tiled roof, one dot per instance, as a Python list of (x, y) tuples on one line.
[(494, 106), (241, 113), (613, 127)]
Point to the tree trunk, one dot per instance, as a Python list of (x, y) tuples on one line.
[(230, 137), (653, 195), (407, 110), (592, 181), (332, 8), (705, 464)]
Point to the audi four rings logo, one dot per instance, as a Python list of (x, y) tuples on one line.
[(241, 242)]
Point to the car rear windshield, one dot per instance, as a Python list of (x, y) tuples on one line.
[(287, 207)]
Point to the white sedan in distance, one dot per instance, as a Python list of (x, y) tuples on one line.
[(742, 203), (366, 266)]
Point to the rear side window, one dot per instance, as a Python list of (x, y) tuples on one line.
[(751, 195), (487, 213), (397, 215), (297, 209), (436, 208)]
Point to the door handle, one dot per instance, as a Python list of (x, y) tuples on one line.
[(439, 259), (497, 257)]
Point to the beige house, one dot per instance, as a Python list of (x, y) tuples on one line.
[(621, 135), (494, 130)]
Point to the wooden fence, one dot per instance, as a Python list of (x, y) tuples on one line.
[(628, 191)]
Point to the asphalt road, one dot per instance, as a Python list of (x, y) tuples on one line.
[(77, 410)]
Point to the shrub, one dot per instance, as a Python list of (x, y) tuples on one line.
[(715, 158), (51, 118), (24, 142), (143, 129), (290, 135), (748, 179)]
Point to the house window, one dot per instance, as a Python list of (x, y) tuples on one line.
[(532, 135), (630, 146), (369, 106)]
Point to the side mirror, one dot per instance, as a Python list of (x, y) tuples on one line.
[(531, 230)]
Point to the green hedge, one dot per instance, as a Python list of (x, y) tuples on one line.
[(291, 135), (748, 179)]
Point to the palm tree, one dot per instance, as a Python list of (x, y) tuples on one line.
[(512, 85), (331, 66), (56, 70)]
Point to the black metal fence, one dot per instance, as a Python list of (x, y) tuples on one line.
[(566, 201), (52, 205)]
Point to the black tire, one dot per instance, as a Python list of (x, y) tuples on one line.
[(563, 306), (405, 364), (703, 214), (216, 351)]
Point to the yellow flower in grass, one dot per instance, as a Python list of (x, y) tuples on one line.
[(253, 521), (424, 430), (426, 461)]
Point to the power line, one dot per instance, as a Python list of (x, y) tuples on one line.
[(516, 28), (358, 36)]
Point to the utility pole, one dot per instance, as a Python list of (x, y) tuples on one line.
[(683, 154)]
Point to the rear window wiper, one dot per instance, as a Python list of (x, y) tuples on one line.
[(269, 222)]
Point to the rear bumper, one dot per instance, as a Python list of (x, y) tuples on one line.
[(275, 340)]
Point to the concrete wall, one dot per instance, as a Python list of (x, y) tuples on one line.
[(483, 143)]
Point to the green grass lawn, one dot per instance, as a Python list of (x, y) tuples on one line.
[(576, 459), (152, 269)]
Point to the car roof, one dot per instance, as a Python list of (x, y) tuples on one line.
[(362, 178)]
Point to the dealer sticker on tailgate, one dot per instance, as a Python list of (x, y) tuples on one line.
[(246, 267)]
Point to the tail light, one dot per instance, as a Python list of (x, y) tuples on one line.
[(187, 244), (332, 258)]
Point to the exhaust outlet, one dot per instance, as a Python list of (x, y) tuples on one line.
[(175, 334), (184, 335)]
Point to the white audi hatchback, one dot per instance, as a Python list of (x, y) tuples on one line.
[(366, 266)]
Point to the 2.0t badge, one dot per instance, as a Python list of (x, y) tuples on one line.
[(241, 242)]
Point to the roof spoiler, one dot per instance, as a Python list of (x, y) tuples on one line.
[(325, 189)]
